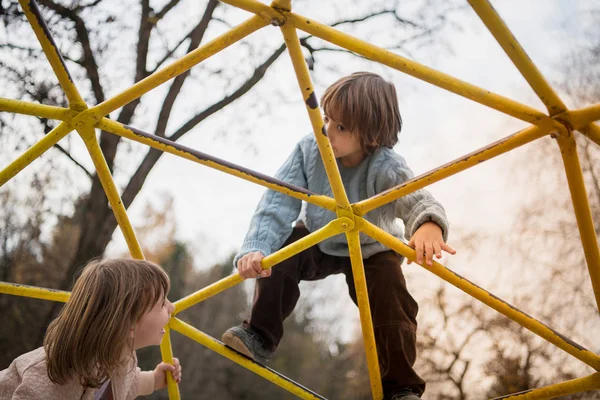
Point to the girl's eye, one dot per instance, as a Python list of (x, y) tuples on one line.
[(341, 128)]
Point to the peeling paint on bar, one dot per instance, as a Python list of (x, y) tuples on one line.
[(312, 101)]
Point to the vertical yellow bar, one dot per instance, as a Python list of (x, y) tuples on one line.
[(592, 131), (167, 355), (312, 106), (53, 137), (583, 213), (89, 138), (362, 298)]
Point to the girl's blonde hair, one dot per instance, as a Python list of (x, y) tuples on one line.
[(368, 105), (89, 336)]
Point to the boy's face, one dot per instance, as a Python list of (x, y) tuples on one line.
[(345, 144)]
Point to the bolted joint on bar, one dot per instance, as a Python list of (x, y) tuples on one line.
[(279, 20), (345, 224), (562, 126)]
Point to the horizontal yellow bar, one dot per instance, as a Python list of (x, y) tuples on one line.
[(178, 67), (582, 117), (53, 137), (484, 296), (89, 138), (364, 309), (118, 129), (518, 56), (34, 16), (167, 356), (37, 110), (331, 229), (592, 131), (417, 70), (16, 289), (460, 164), (256, 7), (583, 213), (219, 348), (314, 113), (590, 382)]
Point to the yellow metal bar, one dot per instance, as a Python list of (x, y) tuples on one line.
[(582, 117), (285, 5), (256, 7), (417, 70), (362, 298), (484, 296), (167, 356), (590, 382), (192, 155), (56, 134), (583, 213), (34, 16), (312, 106), (518, 56), (331, 229), (16, 289), (218, 347), (89, 138), (178, 67), (38, 110), (592, 131), (460, 164)]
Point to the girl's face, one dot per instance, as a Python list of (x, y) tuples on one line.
[(345, 144), (149, 330)]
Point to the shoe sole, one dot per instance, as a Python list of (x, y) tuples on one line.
[(236, 344)]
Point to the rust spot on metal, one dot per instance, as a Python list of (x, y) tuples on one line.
[(40, 20), (312, 101), (207, 157)]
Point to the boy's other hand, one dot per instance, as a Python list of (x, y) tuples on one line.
[(249, 266), (428, 240)]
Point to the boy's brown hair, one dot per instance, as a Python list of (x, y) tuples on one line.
[(89, 336), (368, 105)]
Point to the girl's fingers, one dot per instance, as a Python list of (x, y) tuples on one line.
[(419, 249), (448, 249), (428, 253)]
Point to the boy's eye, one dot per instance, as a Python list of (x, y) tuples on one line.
[(341, 128)]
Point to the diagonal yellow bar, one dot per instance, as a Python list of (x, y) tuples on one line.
[(519, 57), (34, 16), (176, 149), (331, 229), (89, 138), (312, 106), (38, 110), (53, 137), (256, 7), (583, 213), (417, 70), (592, 131), (362, 298), (484, 296), (590, 382), (16, 289), (178, 67), (460, 164), (167, 356), (218, 347), (583, 116)]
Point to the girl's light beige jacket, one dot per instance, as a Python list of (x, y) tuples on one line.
[(27, 379)]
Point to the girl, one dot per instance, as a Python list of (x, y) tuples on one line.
[(116, 307)]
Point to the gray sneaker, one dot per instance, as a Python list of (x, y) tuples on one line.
[(247, 342)]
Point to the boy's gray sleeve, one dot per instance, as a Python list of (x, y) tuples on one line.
[(272, 222), (417, 207)]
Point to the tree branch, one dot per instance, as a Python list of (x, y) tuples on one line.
[(70, 157)]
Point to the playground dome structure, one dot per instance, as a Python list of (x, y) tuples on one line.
[(559, 122)]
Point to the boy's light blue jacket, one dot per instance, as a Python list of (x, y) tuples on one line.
[(273, 219)]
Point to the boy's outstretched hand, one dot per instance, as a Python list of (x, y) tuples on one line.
[(428, 240), (249, 266)]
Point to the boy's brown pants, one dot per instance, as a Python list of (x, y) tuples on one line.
[(393, 309)]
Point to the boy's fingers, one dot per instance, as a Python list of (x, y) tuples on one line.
[(438, 249), (256, 265), (448, 249), (419, 249), (265, 273), (428, 253)]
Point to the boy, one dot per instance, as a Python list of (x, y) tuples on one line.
[(362, 122)]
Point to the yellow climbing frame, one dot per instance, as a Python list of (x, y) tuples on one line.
[(558, 122)]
